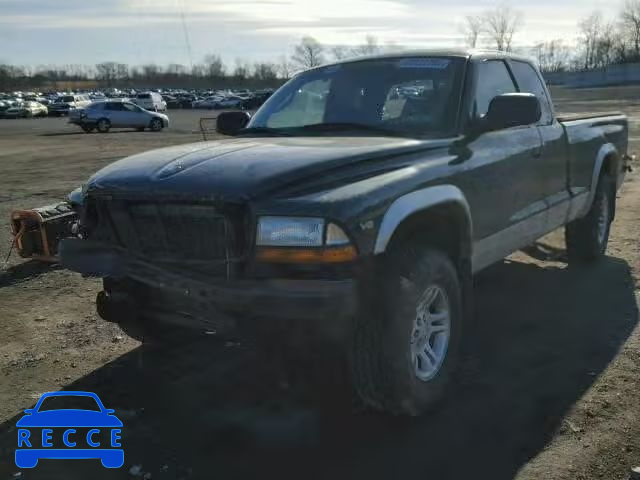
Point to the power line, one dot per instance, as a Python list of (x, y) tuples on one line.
[(185, 30)]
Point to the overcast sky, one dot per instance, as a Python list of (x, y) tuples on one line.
[(36, 32)]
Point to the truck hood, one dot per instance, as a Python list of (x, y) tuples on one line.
[(247, 167)]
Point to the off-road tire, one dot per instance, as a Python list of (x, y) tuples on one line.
[(381, 359), (587, 238), (103, 125)]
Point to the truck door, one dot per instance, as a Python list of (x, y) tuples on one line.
[(552, 165), (501, 182)]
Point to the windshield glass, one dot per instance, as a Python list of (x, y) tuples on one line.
[(69, 402), (67, 99), (413, 96)]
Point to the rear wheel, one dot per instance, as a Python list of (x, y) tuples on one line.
[(103, 125), (407, 342), (587, 238)]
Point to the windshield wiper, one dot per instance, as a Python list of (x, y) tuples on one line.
[(347, 126), (266, 130)]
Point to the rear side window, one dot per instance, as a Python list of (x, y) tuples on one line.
[(529, 82), (115, 107), (493, 80)]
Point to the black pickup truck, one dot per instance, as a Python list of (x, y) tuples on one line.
[(355, 205)]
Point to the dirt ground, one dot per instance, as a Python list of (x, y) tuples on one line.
[(548, 386)]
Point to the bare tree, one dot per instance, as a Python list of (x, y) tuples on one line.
[(175, 69), (340, 52), (285, 68), (308, 53), (370, 47), (107, 72), (265, 72), (604, 53), (590, 28), (552, 56), (471, 29), (501, 24), (150, 72), (630, 19), (214, 67)]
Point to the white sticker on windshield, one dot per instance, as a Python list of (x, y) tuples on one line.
[(433, 63)]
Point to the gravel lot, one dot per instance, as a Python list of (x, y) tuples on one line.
[(548, 387)]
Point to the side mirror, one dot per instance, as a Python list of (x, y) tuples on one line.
[(512, 110), (230, 123)]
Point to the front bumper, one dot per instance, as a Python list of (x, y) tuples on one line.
[(327, 304)]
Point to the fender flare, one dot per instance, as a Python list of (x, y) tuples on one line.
[(417, 201), (606, 150)]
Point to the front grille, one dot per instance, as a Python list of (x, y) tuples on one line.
[(164, 232)]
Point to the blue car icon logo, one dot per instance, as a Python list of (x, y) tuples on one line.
[(53, 430)]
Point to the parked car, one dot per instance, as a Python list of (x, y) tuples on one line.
[(26, 110), (208, 103), (102, 116), (171, 101), (63, 105), (255, 102), (150, 101), (186, 100), (230, 102), (367, 229)]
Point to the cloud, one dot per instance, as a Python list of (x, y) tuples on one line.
[(81, 31)]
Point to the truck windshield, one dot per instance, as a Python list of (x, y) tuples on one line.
[(404, 96)]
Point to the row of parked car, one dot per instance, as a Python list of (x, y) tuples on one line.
[(31, 104)]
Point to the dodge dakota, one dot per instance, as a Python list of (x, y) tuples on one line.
[(355, 205)]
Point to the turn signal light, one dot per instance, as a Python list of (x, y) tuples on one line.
[(340, 254)]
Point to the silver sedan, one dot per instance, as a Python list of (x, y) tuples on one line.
[(103, 116)]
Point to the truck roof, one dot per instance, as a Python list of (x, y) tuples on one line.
[(451, 52)]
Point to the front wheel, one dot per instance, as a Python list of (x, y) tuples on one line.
[(587, 238), (156, 125), (406, 343)]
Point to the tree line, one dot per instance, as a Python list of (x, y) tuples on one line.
[(600, 43), (210, 72)]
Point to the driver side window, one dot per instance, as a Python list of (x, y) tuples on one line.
[(493, 79)]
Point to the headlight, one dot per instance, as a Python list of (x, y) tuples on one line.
[(302, 240), (290, 232)]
